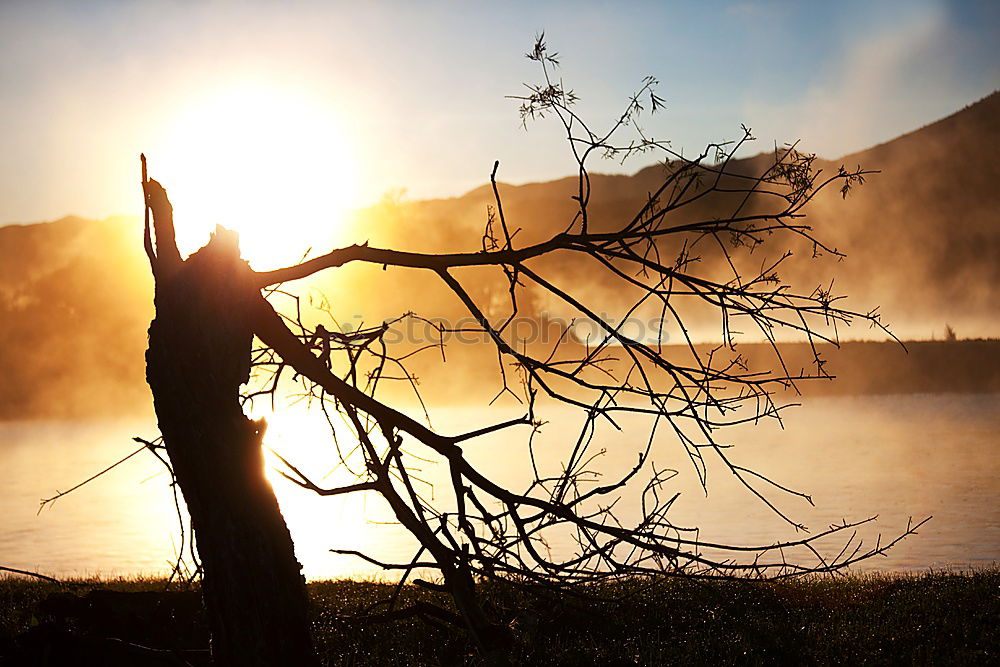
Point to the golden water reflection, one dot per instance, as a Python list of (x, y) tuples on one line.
[(895, 456)]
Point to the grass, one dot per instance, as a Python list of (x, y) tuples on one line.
[(934, 618)]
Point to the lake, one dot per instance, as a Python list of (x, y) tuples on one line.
[(894, 456)]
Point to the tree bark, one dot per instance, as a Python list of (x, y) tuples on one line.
[(198, 356)]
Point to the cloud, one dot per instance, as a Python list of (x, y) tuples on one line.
[(880, 82)]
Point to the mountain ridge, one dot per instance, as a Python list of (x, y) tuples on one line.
[(922, 238)]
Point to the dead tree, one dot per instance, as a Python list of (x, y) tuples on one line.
[(209, 307), (198, 356)]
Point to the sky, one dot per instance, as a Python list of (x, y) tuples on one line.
[(308, 107)]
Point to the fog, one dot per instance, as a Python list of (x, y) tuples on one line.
[(898, 433), (920, 239), (75, 302)]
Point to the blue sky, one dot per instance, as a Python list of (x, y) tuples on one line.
[(418, 89)]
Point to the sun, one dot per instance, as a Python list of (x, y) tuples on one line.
[(271, 162)]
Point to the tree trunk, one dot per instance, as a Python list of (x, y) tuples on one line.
[(199, 355)]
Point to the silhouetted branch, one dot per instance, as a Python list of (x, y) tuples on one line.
[(60, 494), (29, 573)]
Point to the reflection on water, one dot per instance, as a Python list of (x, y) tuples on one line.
[(894, 456)]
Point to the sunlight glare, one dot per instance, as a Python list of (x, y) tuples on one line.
[(270, 162), (352, 521)]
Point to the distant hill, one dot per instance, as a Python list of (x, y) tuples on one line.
[(922, 239), (75, 302)]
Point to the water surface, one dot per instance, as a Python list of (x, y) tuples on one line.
[(894, 456)]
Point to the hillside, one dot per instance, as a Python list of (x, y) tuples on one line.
[(75, 302), (922, 239)]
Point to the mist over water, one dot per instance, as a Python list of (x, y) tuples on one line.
[(920, 238), (895, 456)]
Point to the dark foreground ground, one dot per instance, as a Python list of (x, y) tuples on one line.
[(931, 619)]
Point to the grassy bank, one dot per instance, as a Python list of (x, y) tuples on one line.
[(936, 618)]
